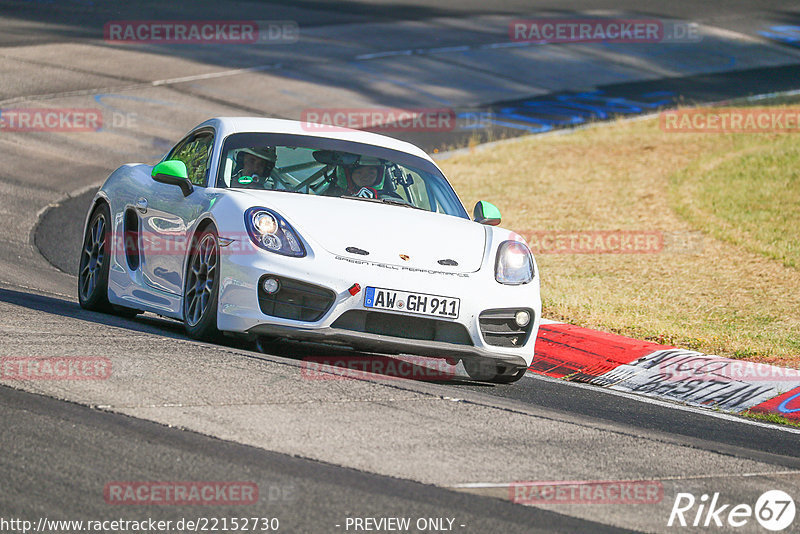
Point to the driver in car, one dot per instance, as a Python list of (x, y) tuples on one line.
[(257, 165), (363, 179)]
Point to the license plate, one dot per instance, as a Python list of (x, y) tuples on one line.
[(408, 301)]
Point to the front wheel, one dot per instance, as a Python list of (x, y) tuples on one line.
[(509, 378), (201, 289), (489, 371)]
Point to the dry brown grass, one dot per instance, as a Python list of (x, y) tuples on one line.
[(723, 299)]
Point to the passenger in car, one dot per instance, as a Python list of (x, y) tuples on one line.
[(256, 167), (366, 178)]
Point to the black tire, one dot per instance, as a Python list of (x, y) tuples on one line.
[(201, 288), (121, 311), (94, 266), (509, 379), (268, 344), (489, 371), (94, 262)]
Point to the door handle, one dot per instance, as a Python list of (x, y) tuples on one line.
[(141, 205)]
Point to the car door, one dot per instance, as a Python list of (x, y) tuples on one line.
[(167, 215)]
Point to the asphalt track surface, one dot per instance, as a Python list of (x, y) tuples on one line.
[(306, 496), (365, 448)]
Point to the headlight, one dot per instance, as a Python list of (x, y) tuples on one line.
[(264, 223), (514, 263), (270, 231)]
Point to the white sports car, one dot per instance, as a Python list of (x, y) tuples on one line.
[(280, 229)]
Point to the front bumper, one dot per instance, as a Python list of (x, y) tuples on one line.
[(389, 344), (239, 309)]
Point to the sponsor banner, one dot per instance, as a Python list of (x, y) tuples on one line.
[(363, 366), (55, 368), (237, 32), (731, 120), (181, 493), (379, 119), (650, 376), (587, 492), (51, 120)]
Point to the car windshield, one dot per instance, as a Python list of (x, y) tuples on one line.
[(331, 167)]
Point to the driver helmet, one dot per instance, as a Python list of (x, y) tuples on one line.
[(365, 161), (267, 153)]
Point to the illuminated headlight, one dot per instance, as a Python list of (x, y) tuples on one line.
[(522, 318), (265, 223), (514, 264), (270, 231)]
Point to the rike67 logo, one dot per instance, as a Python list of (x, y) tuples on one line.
[(774, 510)]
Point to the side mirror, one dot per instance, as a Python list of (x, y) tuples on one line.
[(173, 172), (486, 213)]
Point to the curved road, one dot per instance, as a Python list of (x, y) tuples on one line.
[(322, 451)]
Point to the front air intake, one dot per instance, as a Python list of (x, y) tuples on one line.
[(403, 326), (294, 299), (500, 328)]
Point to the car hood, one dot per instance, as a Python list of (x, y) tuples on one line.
[(388, 233)]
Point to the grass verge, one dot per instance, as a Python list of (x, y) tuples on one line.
[(770, 418), (736, 197)]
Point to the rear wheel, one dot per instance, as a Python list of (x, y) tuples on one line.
[(95, 257), (94, 266), (201, 290)]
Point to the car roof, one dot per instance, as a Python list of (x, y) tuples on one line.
[(230, 125)]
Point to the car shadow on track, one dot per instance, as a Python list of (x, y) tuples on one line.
[(330, 362), (319, 361), (71, 309)]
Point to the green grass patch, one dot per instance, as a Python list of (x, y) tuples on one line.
[(749, 197), (770, 418), (736, 197)]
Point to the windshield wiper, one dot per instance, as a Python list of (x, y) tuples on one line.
[(390, 201)]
